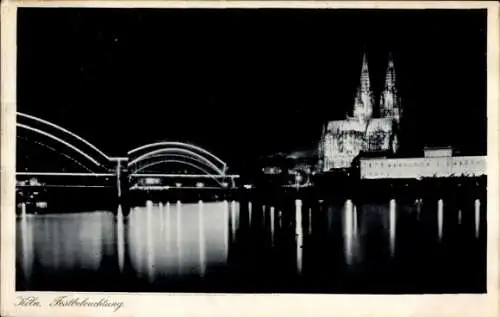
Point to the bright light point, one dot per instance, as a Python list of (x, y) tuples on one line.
[(152, 181), (298, 178), (200, 184), (34, 182), (247, 186), (225, 184), (41, 204), (178, 185)]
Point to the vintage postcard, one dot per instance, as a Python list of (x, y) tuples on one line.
[(249, 158)]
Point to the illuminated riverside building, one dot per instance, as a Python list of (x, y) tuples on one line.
[(343, 140), (435, 163)]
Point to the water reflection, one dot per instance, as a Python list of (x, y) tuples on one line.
[(392, 225), (299, 233), (250, 213), (27, 245), (234, 219), (184, 242), (310, 221), (477, 208), (348, 232), (201, 238), (226, 229), (64, 241), (272, 225), (158, 243), (355, 220), (120, 232), (440, 219)]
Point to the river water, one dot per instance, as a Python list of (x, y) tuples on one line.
[(393, 246)]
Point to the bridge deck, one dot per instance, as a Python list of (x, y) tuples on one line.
[(132, 175)]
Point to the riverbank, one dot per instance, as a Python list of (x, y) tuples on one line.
[(43, 199)]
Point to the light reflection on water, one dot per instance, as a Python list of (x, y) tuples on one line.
[(165, 241), (175, 243), (65, 240)]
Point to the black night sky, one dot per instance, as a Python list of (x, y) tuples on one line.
[(248, 82)]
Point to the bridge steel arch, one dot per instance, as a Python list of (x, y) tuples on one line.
[(169, 152), (54, 150), (149, 161), (68, 139), (186, 148), (184, 162)]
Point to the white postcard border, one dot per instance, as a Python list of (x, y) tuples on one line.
[(153, 304)]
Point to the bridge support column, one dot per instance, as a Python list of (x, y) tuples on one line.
[(118, 179), (121, 181)]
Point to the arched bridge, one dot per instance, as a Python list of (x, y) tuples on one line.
[(126, 170), (199, 159), (56, 138)]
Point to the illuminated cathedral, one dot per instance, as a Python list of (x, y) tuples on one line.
[(364, 131)]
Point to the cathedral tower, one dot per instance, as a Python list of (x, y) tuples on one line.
[(390, 103), (321, 147), (363, 103)]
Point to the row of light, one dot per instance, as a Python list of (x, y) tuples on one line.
[(198, 185)]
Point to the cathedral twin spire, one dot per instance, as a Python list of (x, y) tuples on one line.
[(342, 140), (363, 103), (390, 103), (389, 99)]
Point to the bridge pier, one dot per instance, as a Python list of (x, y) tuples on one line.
[(122, 182)]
